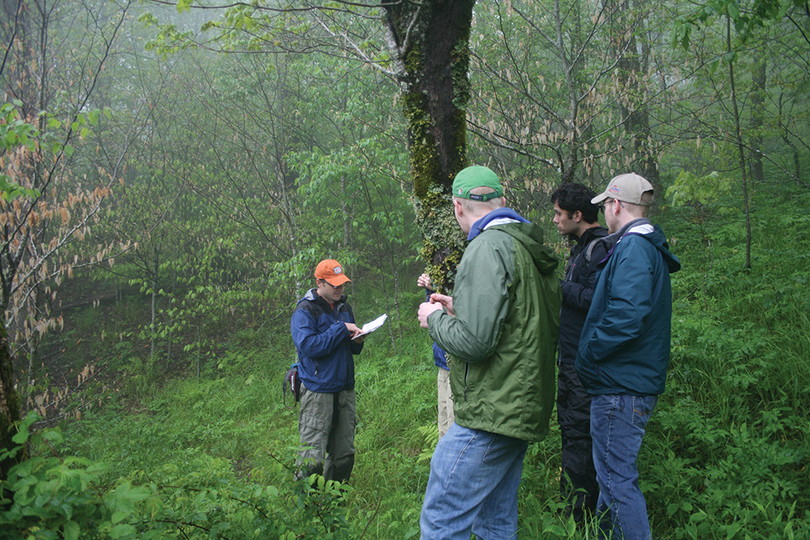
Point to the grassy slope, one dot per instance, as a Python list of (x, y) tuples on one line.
[(725, 454)]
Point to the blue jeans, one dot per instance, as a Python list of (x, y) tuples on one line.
[(617, 427), (473, 485)]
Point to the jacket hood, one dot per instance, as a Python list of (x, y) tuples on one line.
[(531, 236), (655, 235)]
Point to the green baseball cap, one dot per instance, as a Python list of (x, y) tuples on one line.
[(475, 177)]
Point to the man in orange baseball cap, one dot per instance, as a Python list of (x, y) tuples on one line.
[(322, 327)]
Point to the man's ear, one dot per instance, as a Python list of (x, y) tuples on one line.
[(577, 216)]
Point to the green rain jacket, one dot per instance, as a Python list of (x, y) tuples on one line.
[(503, 338)]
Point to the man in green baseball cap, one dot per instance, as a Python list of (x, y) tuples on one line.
[(500, 328)]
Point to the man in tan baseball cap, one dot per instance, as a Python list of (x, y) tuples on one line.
[(628, 197), (623, 353)]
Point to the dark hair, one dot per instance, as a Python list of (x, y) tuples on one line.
[(573, 197)]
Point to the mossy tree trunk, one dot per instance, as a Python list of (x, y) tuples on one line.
[(429, 42)]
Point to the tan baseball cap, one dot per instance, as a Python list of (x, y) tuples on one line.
[(627, 188)]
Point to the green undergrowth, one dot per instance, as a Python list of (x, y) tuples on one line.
[(725, 455)]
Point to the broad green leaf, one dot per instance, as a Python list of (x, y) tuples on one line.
[(71, 530), (123, 530)]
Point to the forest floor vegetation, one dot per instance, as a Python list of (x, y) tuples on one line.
[(211, 456)]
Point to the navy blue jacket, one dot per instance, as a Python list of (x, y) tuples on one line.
[(624, 346), (439, 356), (325, 350)]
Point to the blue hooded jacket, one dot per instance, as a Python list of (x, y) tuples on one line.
[(325, 350), (625, 341)]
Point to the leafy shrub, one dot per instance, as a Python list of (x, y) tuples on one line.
[(50, 496)]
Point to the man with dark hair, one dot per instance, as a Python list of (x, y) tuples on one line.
[(323, 329), (623, 351), (576, 217), (500, 327)]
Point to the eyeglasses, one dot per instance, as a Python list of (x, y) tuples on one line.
[(610, 201), (334, 287)]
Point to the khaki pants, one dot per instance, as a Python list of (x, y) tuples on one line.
[(326, 425), (446, 415)]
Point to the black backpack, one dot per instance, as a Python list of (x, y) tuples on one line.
[(291, 383)]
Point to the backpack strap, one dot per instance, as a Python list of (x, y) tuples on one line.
[(589, 250)]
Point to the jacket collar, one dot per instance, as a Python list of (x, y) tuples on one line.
[(634, 227), (637, 226), (642, 227), (590, 233), (313, 296), (496, 217)]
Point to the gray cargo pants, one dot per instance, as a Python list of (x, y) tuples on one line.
[(326, 425)]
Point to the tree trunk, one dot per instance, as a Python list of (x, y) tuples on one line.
[(570, 25), (429, 42), (633, 81), (759, 79), (10, 403), (783, 132), (740, 147), (153, 325)]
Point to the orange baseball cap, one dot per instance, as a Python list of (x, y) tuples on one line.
[(330, 271)]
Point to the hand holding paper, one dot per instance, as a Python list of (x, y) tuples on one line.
[(369, 327)]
